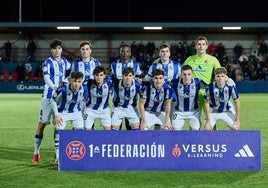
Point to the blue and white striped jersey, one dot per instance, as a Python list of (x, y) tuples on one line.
[(117, 67), (99, 95), (68, 100), (56, 71), (86, 68), (126, 97), (186, 95), (172, 70), (220, 97), (155, 98)]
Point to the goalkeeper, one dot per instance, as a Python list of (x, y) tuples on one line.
[(203, 66)]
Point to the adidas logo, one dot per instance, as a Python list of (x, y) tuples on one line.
[(244, 152)]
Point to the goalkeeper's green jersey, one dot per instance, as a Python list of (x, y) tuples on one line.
[(203, 67)]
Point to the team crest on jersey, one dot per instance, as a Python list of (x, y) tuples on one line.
[(206, 61), (105, 86), (127, 97), (186, 95), (156, 99)]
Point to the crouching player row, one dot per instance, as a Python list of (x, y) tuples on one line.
[(218, 105), (159, 100)]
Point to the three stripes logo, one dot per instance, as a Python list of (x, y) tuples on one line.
[(244, 152)]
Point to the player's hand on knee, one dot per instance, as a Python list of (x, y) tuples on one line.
[(208, 126), (235, 127)]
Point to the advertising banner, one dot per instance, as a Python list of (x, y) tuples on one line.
[(82, 150), (21, 87)]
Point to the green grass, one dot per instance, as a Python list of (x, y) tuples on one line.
[(18, 122)]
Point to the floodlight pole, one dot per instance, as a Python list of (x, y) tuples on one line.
[(19, 11)]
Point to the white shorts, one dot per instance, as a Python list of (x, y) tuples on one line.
[(153, 118), (228, 117), (91, 115), (179, 118), (129, 113), (75, 118), (46, 112)]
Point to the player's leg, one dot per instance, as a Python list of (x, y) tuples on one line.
[(106, 119), (128, 127), (65, 118), (133, 119), (37, 142), (93, 126), (117, 118), (194, 120), (157, 127), (89, 117), (201, 101), (44, 118)]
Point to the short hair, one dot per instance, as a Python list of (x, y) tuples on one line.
[(85, 42), (164, 45), (124, 46), (220, 70), (76, 75), (128, 70), (99, 69), (186, 67), (54, 43), (158, 72), (201, 38)]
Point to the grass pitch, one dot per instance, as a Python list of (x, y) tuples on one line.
[(18, 122)]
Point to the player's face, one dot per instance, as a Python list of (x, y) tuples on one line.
[(220, 79), (187, 76), (85, 51), (164, 54), (158, 81), (99, 78), (76, 83), (201, 47), (127, 80), (125, 53), (56, 52)]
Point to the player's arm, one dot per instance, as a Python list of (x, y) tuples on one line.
[(143, 124), (207, 125), (53, 102), (236, 125), (167, 114), (148, 76), (49, 82)]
